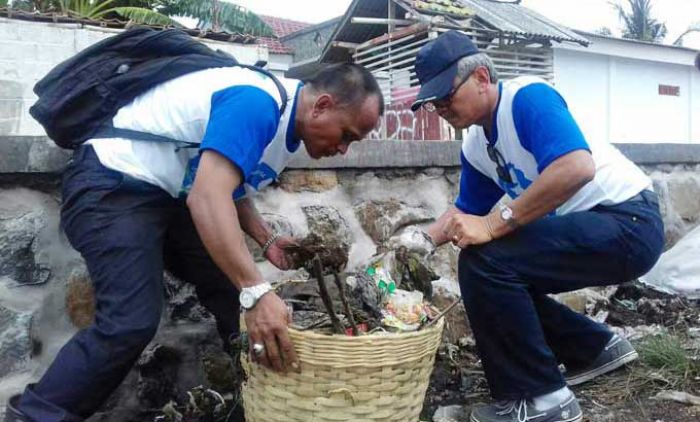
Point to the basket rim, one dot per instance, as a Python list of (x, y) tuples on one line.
[(345, 338)]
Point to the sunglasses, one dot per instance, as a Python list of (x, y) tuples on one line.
[(500, 162), (444, 102)]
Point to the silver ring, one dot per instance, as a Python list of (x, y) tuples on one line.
[(258, 348)]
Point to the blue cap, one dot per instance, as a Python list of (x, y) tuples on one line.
[(436, 65)]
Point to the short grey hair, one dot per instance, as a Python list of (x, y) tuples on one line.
[(467, 65)]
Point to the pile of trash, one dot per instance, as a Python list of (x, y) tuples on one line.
[(392, 293)]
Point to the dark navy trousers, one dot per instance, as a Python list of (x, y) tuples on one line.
[(128, 232), (522, 334)]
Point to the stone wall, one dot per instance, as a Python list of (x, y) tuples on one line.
[(368, 195)]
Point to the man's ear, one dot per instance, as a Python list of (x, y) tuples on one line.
[(482, 76), (323, 103)]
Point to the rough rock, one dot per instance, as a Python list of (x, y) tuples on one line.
[(80, 300), (219, 369), (454, 413), (182, 302), (278, 223), (15, 340), (157, 369), (19, 228), (456, 323), (684, 193), (582, 301), (329, 232), (381, 219), (308, 180)]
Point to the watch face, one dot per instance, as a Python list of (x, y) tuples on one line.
[(247, 300), (506, 213)]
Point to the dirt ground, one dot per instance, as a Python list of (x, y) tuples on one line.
[(623, 396)]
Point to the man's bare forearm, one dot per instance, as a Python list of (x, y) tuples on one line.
[(216, 219), (557, 184), (252, 222)]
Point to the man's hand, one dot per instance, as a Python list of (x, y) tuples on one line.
[(280, 253), (415, 240), (465, 229), (267, 325)]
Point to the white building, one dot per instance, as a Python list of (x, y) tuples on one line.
[(630, 91)]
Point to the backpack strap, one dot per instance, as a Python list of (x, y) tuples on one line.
[(109, 131), (278, 84)]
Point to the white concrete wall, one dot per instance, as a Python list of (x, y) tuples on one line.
[(612, 88), (28, 50), (279, 63)]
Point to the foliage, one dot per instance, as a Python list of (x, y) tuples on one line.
[(666, 355), (214, 14), (638, 23), (145, 16), (603, 30), (694, 27), (217, 15)]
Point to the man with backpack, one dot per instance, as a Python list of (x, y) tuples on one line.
[(164, 182)]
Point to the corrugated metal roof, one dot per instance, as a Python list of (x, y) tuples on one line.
[(517, 19), (510, 18), (349, 32)]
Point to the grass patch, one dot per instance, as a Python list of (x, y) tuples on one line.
[(668, 359)]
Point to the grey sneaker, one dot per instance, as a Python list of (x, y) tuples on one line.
[(12, 414), (524, 411), (618, 352)]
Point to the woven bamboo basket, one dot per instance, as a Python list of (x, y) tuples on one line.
[(361, 379)]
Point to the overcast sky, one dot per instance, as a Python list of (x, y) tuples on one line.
[(586, 15)]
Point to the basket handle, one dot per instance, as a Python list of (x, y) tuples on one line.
[(348, 394)]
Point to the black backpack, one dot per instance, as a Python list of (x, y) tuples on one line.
[(79, 97)]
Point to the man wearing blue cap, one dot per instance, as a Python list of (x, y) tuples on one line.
[(580, 214)]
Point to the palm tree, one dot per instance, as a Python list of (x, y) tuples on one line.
[(639, 24), (213, 14), (694, 27)]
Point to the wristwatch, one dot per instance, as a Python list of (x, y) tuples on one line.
[(507, 216), (250, 296)]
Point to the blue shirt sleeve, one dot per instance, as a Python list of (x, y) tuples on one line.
[(242, 122), (477, 193), (544, 124)]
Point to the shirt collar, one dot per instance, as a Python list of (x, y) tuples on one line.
[(292, 141)]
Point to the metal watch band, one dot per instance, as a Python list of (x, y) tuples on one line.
[(250, 296), (274, 236), (507, 215)]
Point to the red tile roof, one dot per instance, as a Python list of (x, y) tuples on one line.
[(280, 27)]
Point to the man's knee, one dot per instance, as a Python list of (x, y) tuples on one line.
[(481, 271), (132, 333)]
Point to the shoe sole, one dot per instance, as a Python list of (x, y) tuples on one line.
[(578, 418), (608, 367)]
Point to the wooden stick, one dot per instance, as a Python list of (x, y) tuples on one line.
[(346, 306), (443, 313), (325, 297)]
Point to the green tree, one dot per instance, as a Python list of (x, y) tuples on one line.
[(694, 27), (214, 14), (638, 23)]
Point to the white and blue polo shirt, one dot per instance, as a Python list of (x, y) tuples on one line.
[(532, 127), (232, 110)]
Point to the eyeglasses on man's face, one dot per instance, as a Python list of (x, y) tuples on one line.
[(444, 102), (501, 168)]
